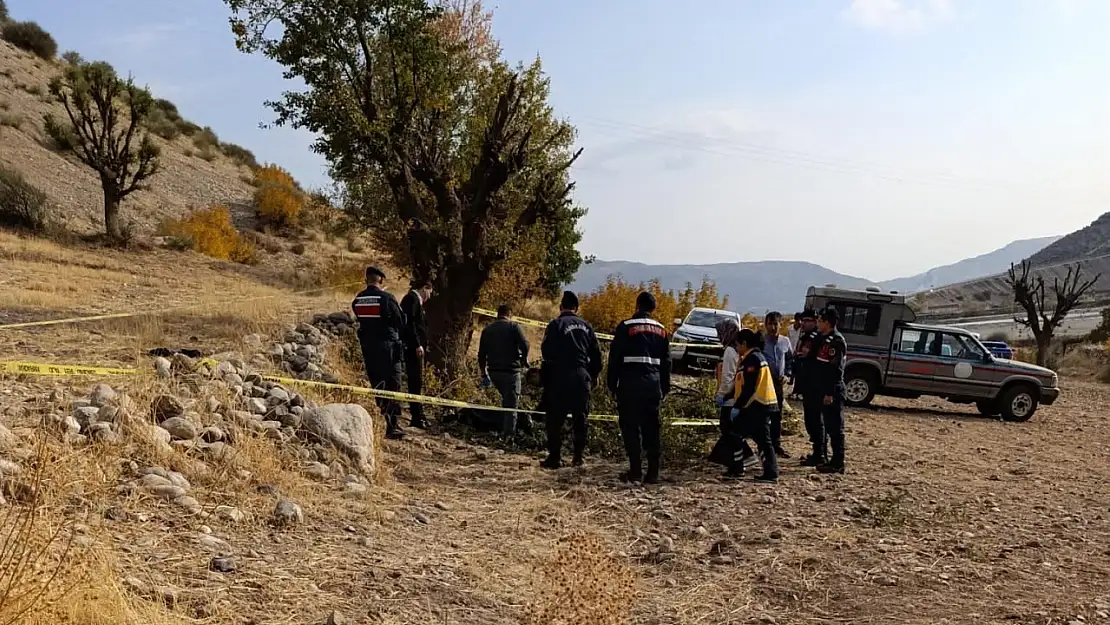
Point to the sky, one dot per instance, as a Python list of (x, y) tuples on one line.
[(878, 138)]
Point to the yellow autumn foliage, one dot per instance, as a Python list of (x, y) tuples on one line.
[(210, 232), (609, 304), (277, 199)]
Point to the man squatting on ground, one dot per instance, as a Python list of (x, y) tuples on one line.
[(502, 356), (416, 344), (571, 366), (639, 376), (380, 327)]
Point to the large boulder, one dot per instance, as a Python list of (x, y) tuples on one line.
[(346, 426)]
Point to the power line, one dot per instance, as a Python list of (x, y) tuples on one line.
[(780, 156)]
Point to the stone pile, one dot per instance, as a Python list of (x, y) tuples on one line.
[(300, 353), (340, 323)]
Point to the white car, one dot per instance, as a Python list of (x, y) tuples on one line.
[(699, 328)]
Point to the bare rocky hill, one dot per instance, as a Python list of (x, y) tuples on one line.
[(191, 176)]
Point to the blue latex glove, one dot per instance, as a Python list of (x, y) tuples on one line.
[(720, 401), (734, 414), (486, 382)]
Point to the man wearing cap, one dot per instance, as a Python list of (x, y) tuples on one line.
[(811, 400), (571, 366), (826, 384), (416, 343), (639, 375), (380, 327)]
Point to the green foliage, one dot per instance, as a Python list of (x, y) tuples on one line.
[(450, 156), (22, 205), (239, 154), (1101, 334), (102, 129), (72, 57), (3, 12), (31, 37), (206, 139)]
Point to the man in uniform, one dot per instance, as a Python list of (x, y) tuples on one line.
[(416, 343), (827, 384), (811, 401), (380, 326), (571, 365), (639, 376)]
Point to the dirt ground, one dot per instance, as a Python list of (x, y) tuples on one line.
[(943, 516)]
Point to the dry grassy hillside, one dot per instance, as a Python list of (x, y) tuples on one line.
[(191, 176)]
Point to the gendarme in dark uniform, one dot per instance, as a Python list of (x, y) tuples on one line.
[(380, 327), (825, 371), (571, 366), (812, 399), (639, 375)]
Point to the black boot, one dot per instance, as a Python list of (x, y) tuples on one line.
[(393, 430), (578, 461), (836, 465), (652, 476), (735, 472), (551, 462)]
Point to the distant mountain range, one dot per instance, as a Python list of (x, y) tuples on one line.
[(781, 285)]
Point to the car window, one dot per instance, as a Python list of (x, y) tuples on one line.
[(917, 342), (706, 319), (959, 346)]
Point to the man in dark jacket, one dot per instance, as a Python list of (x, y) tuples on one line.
[(416, 344), (826, 382), (502, 356), (571, 365), (380, 326), (639, 375), (812, 401)]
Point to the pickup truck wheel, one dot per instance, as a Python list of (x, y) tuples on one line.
[(1019, 403), (988, 408), (860, 387)]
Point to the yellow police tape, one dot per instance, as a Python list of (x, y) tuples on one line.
[(33, 368), (483, 312)]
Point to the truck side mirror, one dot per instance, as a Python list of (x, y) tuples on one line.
[(678, 322), (988, 358)]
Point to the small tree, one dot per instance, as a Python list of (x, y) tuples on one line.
[(105, 114), (1043, 314)]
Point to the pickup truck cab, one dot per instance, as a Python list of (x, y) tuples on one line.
[(695, 344), (889, 353), (1000, 349)]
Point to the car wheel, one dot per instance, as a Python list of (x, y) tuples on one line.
[(860, 387), (1019, 403), (988, 408)]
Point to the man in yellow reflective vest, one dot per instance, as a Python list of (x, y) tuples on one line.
[(756, 402)]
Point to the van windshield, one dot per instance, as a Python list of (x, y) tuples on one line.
[(706, 319)]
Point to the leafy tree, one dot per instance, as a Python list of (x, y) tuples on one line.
[(450, 157), (1043, 314), (105, 114), (609, 304), (31, 37), (3, 12)]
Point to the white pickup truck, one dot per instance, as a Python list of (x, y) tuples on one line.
[(697, 329)]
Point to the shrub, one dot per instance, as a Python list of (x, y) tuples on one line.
[(31, 37), (1101, 334), (22, 205), (608, 305), (206, 138), (3, 12), (239, 154), (210, 232), (344, 275), (72, 57), (277, 199)]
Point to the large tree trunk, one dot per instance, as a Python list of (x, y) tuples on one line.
[(450, 317), (111, 212), (1044, 343)]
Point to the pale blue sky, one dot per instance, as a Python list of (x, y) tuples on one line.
[(875, 137)]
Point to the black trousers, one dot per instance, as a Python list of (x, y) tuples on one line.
[(833, 417), (755, 423), (776, 417), (726, 427), (813, 407), (383, 369), (568, 395), (638, 417), (414, 370)]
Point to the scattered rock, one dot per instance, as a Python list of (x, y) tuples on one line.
[(288, 513), (9, 468), (230, 513), (354, 490), (721, 560), (167, 407), (102, 395), (212, 543), (168, 492), (7, 439), (346, 426), (257, 405), (180, 428), (225, 564), (335, 618), (163, 367), (85, 415), (317, 470), (212, 434)]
